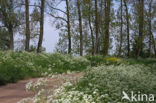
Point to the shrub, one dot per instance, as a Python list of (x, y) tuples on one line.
[(15, 66), (112, 60), (100, 60), (95, 60), (103, 84), (112, 80)]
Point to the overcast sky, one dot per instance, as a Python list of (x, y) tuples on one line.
[(50, 35)]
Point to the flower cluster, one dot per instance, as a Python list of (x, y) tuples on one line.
[(34, 86), (67, 94), (103, 84), (111, 80)]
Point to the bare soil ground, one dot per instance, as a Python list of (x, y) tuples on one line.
[(14, 92)]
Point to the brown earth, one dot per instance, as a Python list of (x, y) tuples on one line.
[(14, 92)]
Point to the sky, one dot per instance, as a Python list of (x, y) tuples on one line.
[(51, 36)]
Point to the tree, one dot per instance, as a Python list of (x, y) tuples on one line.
[(107, 22), (68, 26), (150, 27), (10, 18), (27, 25), (141, 28), (39, 47), (150, 12), (34, 29), (90, 26), (121, 29), (4, 39), (80, 27), (96, 28), (127, 23)]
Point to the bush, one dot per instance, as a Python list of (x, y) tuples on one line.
[(105, 84), (100, 60), (95, 60), (15, 66), (102, 84), (112, 80)]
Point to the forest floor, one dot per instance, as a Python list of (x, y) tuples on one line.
[(14, 92)]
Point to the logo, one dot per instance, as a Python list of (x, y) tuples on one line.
[(138, 97)]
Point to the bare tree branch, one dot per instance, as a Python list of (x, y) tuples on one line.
[(58, 17), (56, 8), (32, 5)]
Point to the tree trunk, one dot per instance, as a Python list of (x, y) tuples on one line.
[(41, 27), (107, 21), (150, 28), (141, 27), (121, 34), (96, 28), (68, 27), (153, 40), (91, 31), (11, 46), (150, 35), (150, 43), (27, 25), (80, 27), (127, 20)]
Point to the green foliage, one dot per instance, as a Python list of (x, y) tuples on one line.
[(95, 60), (100, 60), (113, 60), (105, 84), (4, 39), (111, 80), (10, 15), (146, 62), (15, 66)]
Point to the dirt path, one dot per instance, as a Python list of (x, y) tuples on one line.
[(12, 93)]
